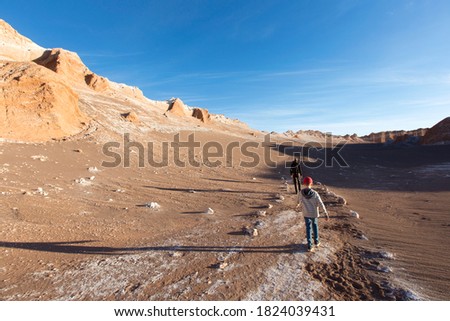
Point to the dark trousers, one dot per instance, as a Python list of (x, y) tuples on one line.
[(297, 183)]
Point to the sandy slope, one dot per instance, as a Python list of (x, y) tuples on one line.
[(95, 239), (403, 196)]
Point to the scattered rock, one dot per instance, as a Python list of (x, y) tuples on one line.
[(354, 214), (219, 265), (131, 117), (340, 200), (42, 158), (251, 231), (379, 255), (202, 114), (153, 205), (384, 269), (337, 199), (259, 224), (260, 213), (83, 181), (93, 170), (408, 295), (363, 237), (176, 254), (279, 198), (386, 255), (41, 191)]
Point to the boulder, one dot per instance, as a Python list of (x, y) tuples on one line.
[(65, 63), (177, 107), (131, 117), (96, 82), (69, 65), (36, 104), (201, 114)]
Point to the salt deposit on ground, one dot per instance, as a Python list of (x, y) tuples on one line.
[(153, 205), (42, 158)]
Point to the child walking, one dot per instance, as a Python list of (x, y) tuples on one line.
[(309, 201)]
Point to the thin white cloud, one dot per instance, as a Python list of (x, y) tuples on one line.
[(102, 54)]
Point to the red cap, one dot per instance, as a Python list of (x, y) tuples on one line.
[(307, 180)]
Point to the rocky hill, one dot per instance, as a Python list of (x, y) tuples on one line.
[(51, 94), (36, 104), (14, 46), (395, 135), (439, 133), (316, 135)]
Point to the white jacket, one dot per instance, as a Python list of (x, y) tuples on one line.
[(310, 201)]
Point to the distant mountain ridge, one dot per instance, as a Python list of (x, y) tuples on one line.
[(438, 134), (394, 135)]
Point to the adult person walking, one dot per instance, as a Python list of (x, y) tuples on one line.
[(309, 201), (296, 173)]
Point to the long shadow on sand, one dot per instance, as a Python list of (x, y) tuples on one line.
[(76, 247), (377, 166), (231, 180), (200, 190)]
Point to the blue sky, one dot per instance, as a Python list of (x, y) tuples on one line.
[(343, 66)]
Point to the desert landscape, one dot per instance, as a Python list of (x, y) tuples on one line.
[(106, 194)]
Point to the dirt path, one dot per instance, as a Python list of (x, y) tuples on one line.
[(187, 265)]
